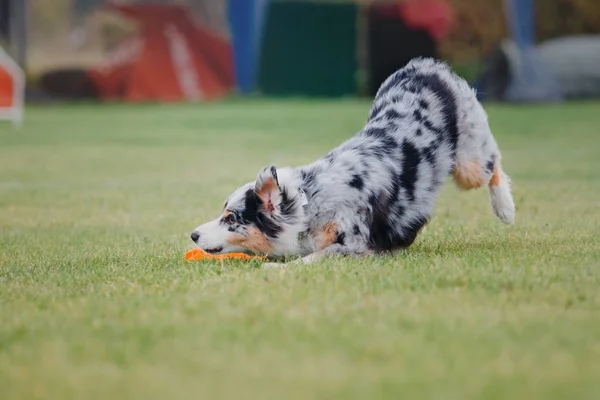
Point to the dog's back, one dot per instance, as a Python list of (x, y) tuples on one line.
[(425, 124)]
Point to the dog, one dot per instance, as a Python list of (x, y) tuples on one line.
[(374, 192)]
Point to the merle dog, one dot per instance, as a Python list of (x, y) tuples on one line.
[(374, 192)]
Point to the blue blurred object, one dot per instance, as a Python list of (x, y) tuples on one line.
[(246, 20), (521, 22), (531, 80)]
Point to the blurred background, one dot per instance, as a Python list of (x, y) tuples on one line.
[(142, 116), (202, 50)]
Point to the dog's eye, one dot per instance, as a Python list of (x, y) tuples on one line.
[(229, 218)]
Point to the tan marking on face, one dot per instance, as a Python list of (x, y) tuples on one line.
[(468, 175), (226, 213), (495, 181), (254, 240), (327, 235)]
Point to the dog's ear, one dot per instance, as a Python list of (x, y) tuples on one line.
[(267, 189)]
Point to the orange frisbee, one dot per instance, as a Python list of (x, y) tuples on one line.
[(199, 254)]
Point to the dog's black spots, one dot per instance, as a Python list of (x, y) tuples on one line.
[(231, 228), (287, 205), (419, 132), (410, 80), (356, 229), (429, 154), (375, 111), (340, 238), (417, 223), (376, 132), (383, 233), (429, 126), (418, 116), (385, 146), (393, 81), (251, 204), (410, 232), (384, 237), (380, 230), (330, 157), (435, 184), (274, 173), (268, 226), (357, 182), (489, 166), (372, 200), (253, 214), (449, 110), (392, 114), (412, 88), (389, 143), (308, 177), (399, 211), (395, 189), (410, 166)]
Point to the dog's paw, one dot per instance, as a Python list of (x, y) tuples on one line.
[(272, 265)]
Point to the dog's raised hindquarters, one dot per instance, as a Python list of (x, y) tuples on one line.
[(376, 191)]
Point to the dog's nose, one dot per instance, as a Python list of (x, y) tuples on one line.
[(195, 236)]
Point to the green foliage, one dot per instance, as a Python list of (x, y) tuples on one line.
[(96, 301)]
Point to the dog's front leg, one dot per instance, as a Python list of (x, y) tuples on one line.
[(332, 250)]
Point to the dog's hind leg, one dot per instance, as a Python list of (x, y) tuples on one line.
[(478, 163), (469, 174), (500, 196), (486, 170)]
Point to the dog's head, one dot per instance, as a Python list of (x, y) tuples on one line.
[(262, 217)]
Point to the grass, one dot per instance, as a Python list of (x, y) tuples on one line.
[(96, 301)]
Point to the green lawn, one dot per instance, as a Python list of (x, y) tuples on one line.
[(96, 301)]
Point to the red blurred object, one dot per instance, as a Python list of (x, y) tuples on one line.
[(434, 16), (7, 89), (170, 59)]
